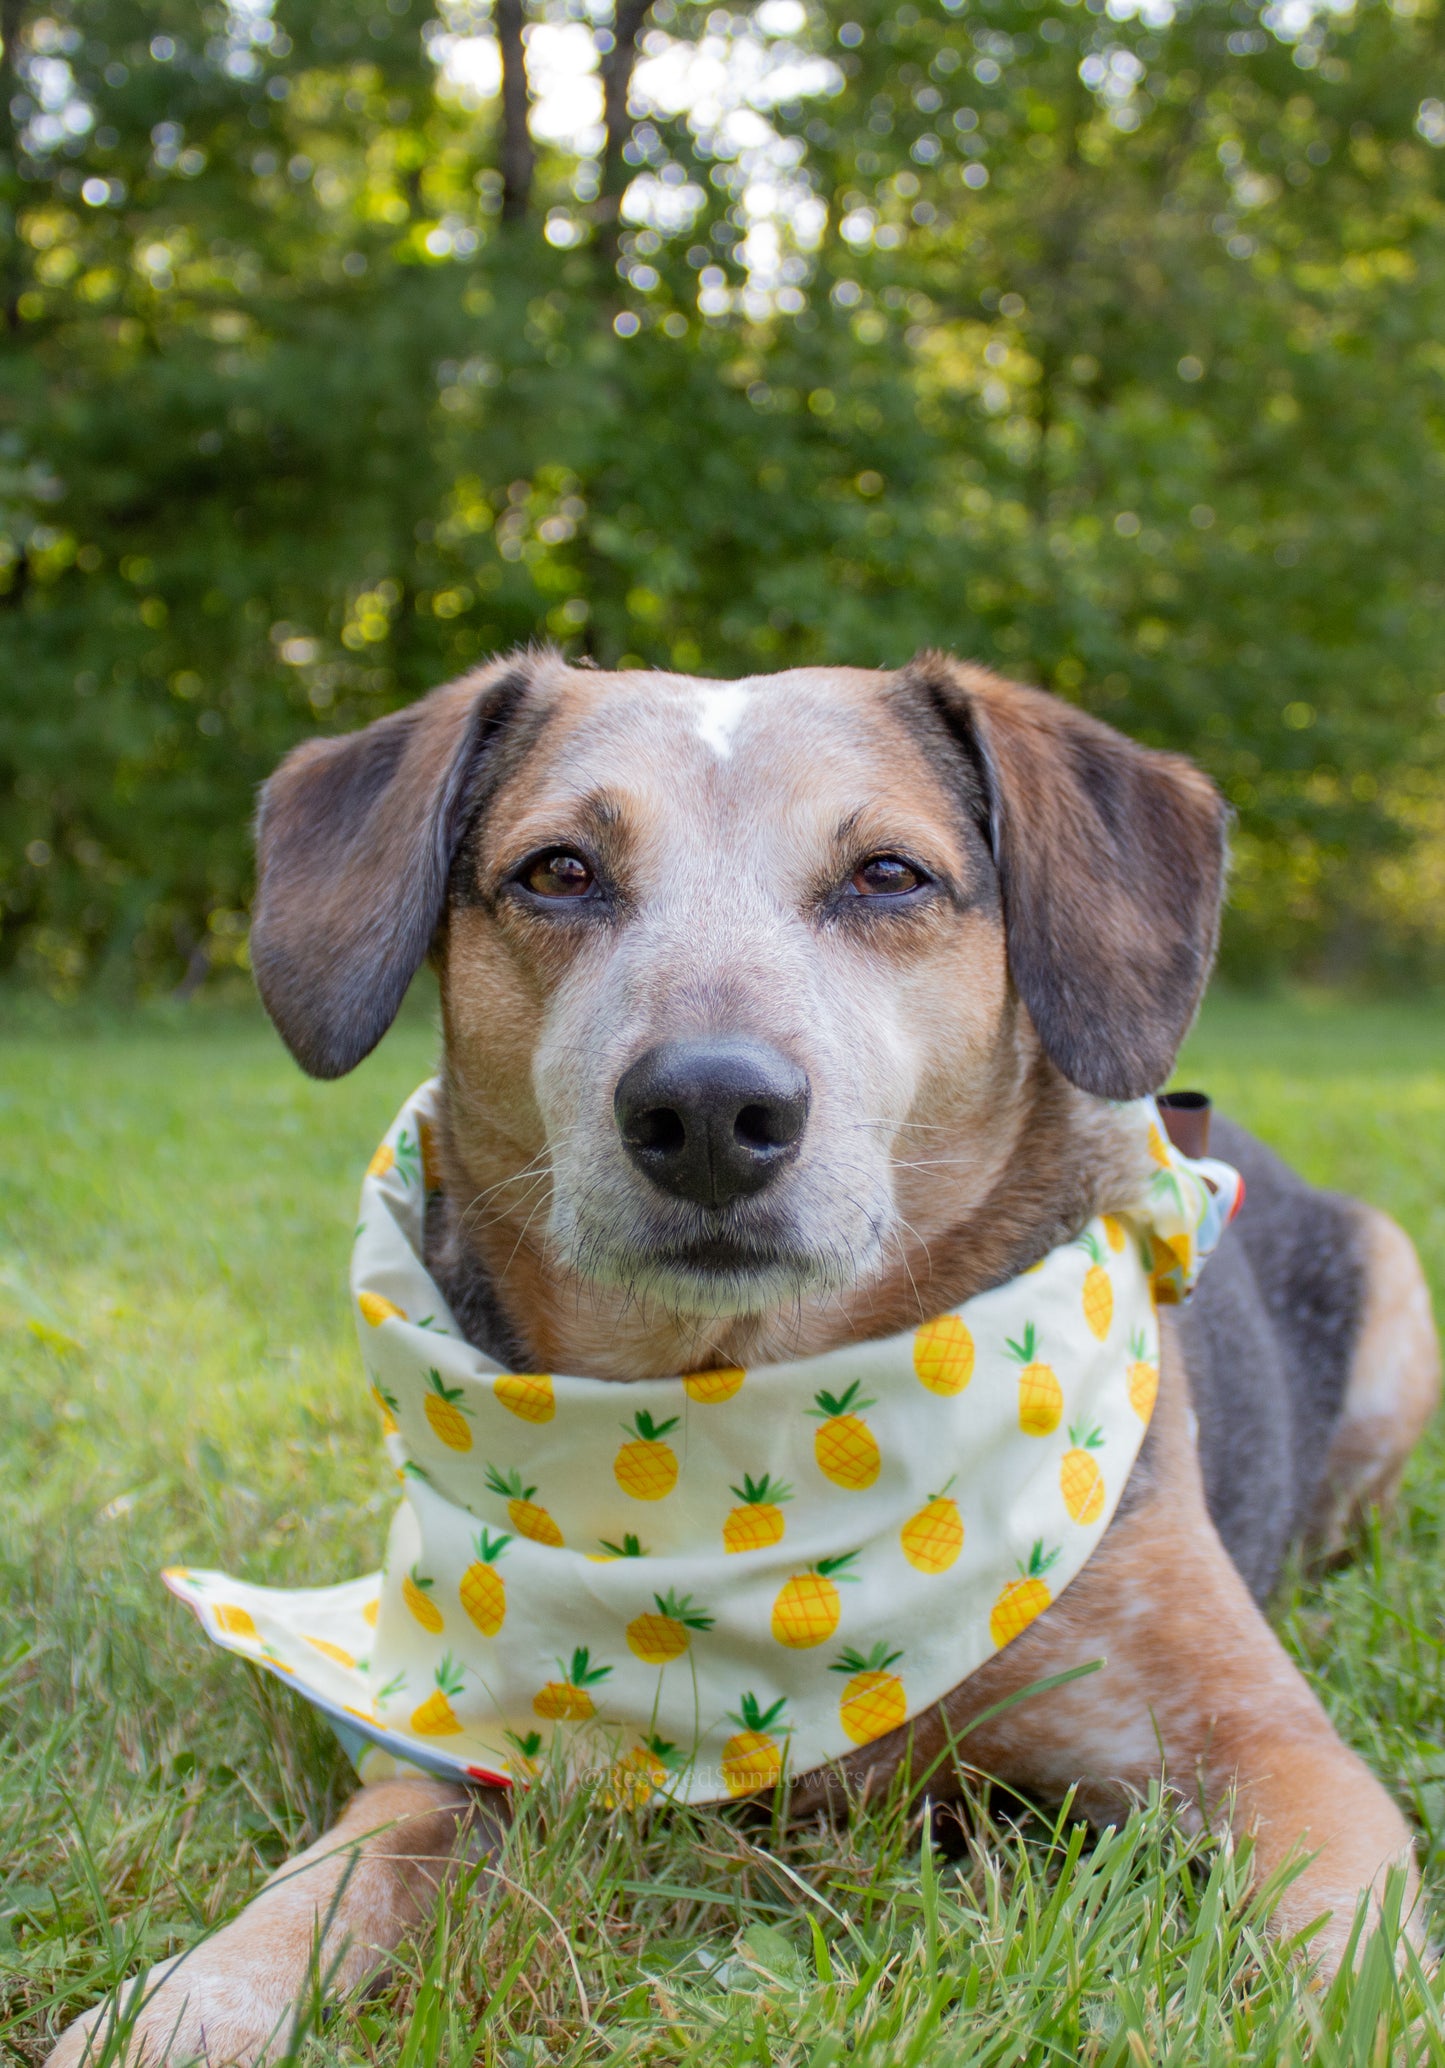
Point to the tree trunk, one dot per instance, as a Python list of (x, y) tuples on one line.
[(617, 68), (517, 154)]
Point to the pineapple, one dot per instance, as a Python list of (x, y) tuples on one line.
[(387, 1694), (808, 1606), (757, 1522), (386, 1406), (753, 1760), (435, 1717), (1098, 1291), (1080, 1480), (646, 1467), (943, 1355), (1114, 1234), (567, 1700), (873, 1703), (845, 1447), (1022, 1599), (236, 1621), (933, 1538), (332, 1651), (1169, 1263), (430, 1163), (659, 1639), (414, 1592), (526, 1394), (1158, 1147), (713, 1387), (525, 1758), (381, 1162), (448, 1421), (370, 1613), (1143, 1377), (526, 1518), (408, 1158), (630, 1547), (636, 1777), (375, 1309), (1041, 1397), (483, 1591)]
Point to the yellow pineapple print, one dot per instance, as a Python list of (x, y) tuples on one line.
[(381, 1162), (448, 1421), (435, 1717), (943, 1355), (658, 1639), (845, 1447), (526, 1518), (757, 1522), (636, 1777), (630, 1547), (873, 1703), (1169, 1262), (808, 1606), (1115, 1233), (386, 1407), (415, 1592), (1080, 1480), (335, 1652), (568, 1700), (524, 1762), (753, 1759), (370, 1613), (1158, 1147), (1023, 1599), (528, 1395), (1143, 1378), (482, 1589), (713, 1387), (431, 1170), (1041, 1397), (933, 1538), (1098, 1289), (646, 1467), (375, 1309), (236, 1621)]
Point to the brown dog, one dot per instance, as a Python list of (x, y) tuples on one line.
[(782, 1014)]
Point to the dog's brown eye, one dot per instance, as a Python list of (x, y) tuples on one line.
[(559, 875), (884, 875)]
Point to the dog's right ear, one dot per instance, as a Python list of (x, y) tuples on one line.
[(355, 840)]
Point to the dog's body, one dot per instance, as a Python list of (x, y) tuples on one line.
[(784, 1014)]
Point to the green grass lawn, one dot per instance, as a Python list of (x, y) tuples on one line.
[(181, 1383)]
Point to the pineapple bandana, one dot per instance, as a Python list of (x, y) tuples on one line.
[(697, 1583)]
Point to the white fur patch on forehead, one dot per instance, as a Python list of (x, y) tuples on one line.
[(720, 711)]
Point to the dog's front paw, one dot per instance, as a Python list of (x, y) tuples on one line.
[(201, 2006)]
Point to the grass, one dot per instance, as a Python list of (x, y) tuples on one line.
[(180, 1382)]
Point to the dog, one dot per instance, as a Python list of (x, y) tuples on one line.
[(884, 950)]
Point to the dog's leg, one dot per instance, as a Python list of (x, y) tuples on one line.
[(1193, 1683), (340, 1910), (1393, 1387)]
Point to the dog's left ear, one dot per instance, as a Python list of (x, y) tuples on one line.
[(355, 839), (1111, 865)]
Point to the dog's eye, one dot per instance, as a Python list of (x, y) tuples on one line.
[(885, 876), (558, 874)]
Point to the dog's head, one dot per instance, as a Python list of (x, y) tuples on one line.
[(743, 974)]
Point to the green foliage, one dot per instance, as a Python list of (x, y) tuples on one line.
[(182, 1381), (1114, 362)]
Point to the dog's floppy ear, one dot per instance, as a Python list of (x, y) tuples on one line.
[(1111, 865), (355, 840)]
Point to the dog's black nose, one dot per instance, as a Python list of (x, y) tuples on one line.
[(711, 1121)]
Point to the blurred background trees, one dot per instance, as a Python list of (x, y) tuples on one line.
[(345, 342)]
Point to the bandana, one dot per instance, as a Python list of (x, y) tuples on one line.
[(698, 1583)]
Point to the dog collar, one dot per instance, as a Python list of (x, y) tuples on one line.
[(696, 1583)]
